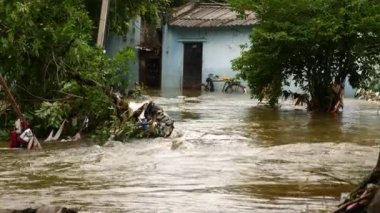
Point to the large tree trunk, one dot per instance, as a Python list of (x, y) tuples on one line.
[(327, 98)]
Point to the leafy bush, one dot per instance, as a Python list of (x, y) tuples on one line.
[(53, 113)]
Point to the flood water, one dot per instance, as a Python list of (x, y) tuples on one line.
[(227, 154)]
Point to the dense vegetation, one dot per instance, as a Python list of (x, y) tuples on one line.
[(313, 43), (47, 52)]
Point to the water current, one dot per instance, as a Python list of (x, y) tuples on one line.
[(228, 153)]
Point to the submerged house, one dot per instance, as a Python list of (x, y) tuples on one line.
[(115, 43), (201, 39), (145, 39)]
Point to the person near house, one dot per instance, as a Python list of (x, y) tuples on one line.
[(210, 83)]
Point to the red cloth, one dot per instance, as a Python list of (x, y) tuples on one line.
[(12, 139)]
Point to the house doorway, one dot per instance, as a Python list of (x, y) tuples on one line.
[(192, 65), (150, 69)]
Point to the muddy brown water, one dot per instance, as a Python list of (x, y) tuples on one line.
[(227, 154)]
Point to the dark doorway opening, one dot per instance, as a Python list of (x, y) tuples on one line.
[(150, 69), (192, 65)]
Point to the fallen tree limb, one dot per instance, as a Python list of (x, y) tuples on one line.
[(366, 189), (10, 97), (343, 207)]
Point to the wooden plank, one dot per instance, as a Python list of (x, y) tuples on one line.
[(102, 23)]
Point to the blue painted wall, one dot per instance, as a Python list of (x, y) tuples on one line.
[(116, 43), (220, 46)]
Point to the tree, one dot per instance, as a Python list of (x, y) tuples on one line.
[(46, 53), (313, 43), (43, 45), (122, 11)]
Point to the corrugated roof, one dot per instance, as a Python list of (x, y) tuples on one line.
[(209, 15)]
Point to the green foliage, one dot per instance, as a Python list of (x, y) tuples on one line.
[(129, 129), (177, 3), (122, 11), (35, 38), (312, 42), (4, 135), (48, 60), (53, 113), (101, 134), (120, 64), (45, 54), (374, 85)]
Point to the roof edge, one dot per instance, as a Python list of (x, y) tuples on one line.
[(184, 8), (196, 14)]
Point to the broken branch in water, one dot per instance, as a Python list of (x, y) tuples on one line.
[(10, 97), (370, 194)]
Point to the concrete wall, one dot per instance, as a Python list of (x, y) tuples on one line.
[(349, 92), (115, 43), (220, 46)]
